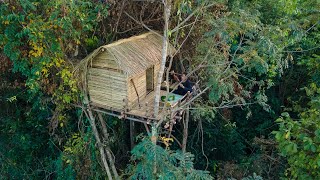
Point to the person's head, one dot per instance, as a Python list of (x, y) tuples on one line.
[(184, 77)]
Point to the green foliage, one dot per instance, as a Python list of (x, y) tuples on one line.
[(298, 134), (244, 52), (299, 139), (253, 177), (24, 142), (222, 142), (39, 38), (64, 173), (299, 142), (241, 55), (154, 162), (241, 48), (79, 159)]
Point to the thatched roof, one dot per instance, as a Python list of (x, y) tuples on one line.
[(135, 54)]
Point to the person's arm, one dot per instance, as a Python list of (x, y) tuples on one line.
[(176, 78)]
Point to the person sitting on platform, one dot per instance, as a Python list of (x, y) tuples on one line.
[(173, 77), (184, 85)]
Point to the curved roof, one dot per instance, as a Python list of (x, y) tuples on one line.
[(135, 54)]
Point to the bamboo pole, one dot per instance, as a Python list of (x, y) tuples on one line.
[(103, 125), (185, 130), (91, 118), (108, 151)]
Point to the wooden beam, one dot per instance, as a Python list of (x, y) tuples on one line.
[(117, 114)]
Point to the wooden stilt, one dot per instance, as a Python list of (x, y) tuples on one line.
[(185, 121), (107, 150), (100, 146), (132, 134), (185, 130), (147, 128)]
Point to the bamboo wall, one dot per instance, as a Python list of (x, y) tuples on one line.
[(156, 72), (107, 87), (140, 83), (105, 60)]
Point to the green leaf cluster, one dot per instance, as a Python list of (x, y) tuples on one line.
[(150, 161)]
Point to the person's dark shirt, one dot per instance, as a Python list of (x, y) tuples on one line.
[(187, 87)]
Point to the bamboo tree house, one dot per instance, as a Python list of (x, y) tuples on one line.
[(122, 76)]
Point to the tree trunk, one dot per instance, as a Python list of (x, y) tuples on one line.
[(154, 137), (164, 53), (185, 130), (167, 10), (100, 146), (111, 161), (103, 125), (107, 150)]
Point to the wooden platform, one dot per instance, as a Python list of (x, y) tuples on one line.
[(143, 112), (146, 106)]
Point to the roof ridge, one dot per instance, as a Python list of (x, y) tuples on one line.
[(132, 38)]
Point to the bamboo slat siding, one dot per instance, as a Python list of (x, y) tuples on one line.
[(105, 60), (140, 83), (107, 87), (156, 72)]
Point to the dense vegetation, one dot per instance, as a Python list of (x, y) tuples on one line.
[(256, 114)]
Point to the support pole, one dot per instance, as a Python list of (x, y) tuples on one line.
[(154, 137), (132, 134), (107, 150), (103, 125), (96, 134), (147, 128), (185, 130)]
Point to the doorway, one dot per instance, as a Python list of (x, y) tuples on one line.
[(150, 79)]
